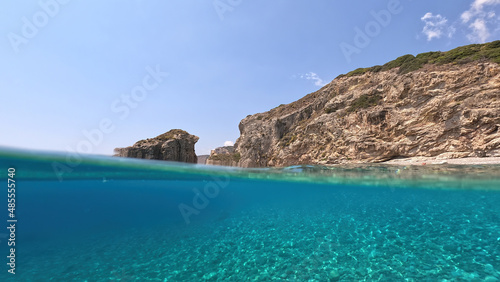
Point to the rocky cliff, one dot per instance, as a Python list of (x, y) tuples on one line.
[(435, 104), (225, 156), (202, 159), (175, 145)]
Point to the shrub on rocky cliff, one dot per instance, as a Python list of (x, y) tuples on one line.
[(364, 101), (287, 140)]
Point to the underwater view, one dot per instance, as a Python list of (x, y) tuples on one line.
[(233, 140), (118, 219)]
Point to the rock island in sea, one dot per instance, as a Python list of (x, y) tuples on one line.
[(174, 145)]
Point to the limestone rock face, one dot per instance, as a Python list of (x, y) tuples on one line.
[(202, 159), (225, 156), (175, 145), (450, 110)]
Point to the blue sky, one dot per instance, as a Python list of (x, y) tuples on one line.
[(89, 76)]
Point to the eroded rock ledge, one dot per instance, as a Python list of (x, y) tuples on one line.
[(174, 145)]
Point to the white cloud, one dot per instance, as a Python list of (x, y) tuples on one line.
[(436, 26), (477, 9), (480, 32), (228, 143), (314, 77), (480, 17)]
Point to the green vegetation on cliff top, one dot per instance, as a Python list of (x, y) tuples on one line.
[(164, 137), (461, 55), (171, 134)]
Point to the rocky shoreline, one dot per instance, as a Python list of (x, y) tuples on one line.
[(443, 105), (433, 108)]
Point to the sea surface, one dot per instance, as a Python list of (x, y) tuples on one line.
[(94, 218)]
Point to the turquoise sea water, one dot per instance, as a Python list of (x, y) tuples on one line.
[(87, 218)]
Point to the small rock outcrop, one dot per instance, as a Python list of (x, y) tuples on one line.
[(444, 104), (176, 145), (225, 156), (202, 159)]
